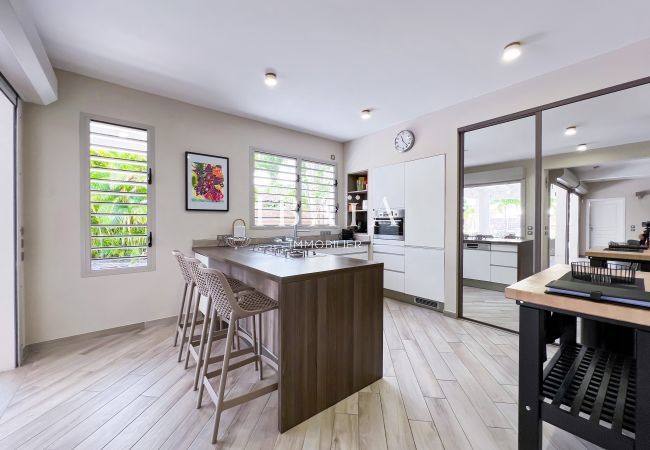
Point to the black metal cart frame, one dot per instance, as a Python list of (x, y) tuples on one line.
[(600, 393)]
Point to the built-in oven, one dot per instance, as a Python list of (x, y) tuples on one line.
[(389, 224)]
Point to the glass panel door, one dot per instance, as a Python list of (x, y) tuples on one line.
[(498, 201)]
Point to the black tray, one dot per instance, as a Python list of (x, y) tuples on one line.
[(625, 294)]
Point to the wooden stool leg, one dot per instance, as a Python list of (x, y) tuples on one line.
[(195, 314), (255, 343), (206, 363), (204, 332), (222, 379), (181, 318), (187, 312)]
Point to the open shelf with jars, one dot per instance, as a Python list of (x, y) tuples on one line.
[(357, 203)]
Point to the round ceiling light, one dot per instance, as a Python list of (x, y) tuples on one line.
[(581, 147), (570, 131), (366, 114), (270, 79), (512, 51)]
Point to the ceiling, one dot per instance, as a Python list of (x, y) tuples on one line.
[(610, 120), (333, 58), (614, 171)]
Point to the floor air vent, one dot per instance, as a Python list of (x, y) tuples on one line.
[(428, 303)]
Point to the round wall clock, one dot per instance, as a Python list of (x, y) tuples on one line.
[(404, 141)]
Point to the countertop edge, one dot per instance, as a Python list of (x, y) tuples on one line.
[(368, 264)]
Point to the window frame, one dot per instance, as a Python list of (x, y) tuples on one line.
[(299, 160), (522, 184), (84, 140)]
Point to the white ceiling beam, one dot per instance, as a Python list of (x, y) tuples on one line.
[(23, 60)]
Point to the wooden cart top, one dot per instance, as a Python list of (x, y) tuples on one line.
[(531, 290), (600, 252)]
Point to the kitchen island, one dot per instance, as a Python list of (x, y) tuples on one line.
[(326, 336)]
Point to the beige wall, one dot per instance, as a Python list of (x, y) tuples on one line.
[(636, 210), (59, 301), (436, 132)]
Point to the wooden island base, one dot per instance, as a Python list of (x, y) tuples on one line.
[(327, 334)]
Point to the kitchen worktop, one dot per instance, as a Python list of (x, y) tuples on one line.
[(280, 268), (497, 241)]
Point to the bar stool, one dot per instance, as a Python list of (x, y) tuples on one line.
[(232, 308), (203, 306), (183, 314)]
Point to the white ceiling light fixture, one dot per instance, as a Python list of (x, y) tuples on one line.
[(270, 79), (511, 51), (366, 114), (581, 147), (570, 131)]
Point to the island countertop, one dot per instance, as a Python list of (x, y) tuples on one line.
[(279, 268)]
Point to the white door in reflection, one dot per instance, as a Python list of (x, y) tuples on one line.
[(606, 221)]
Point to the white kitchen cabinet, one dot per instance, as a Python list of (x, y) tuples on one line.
[(476, 264), (424, 187), (387, 248), (387, 182), (503, 275), (394, 280), (503, 260), (424, 273), (391, 262)]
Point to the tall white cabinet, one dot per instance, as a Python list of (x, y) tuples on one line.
[(416, 265), (387, 186), (424, 228)]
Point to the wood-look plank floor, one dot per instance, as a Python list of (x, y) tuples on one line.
[(448, 384), (490, 307)]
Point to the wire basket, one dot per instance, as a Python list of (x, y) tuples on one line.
[(237, 242), (611, 274)]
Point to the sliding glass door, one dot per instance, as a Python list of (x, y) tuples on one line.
[(8, 304)]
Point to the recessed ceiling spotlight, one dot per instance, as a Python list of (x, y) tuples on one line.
[(570, 131), (581, 147), (366, 114), (511, 51), (270, 79)]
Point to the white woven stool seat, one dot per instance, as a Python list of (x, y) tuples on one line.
[(237, 286), (255, 302)]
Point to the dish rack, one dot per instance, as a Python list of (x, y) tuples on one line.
[(611, 274)]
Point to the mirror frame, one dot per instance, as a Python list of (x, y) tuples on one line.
[(535, 112)]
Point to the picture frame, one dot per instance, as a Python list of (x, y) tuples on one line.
[(207, 182)]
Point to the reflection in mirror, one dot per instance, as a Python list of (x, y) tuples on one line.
[(596, 167), (498, 217)]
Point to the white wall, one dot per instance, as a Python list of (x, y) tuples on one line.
[(436, 133), (7, 266), (59, 302)]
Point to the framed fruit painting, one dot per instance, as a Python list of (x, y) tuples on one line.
[(206, 182)]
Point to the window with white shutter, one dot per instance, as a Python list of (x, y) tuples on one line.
[(287, 188), (317, 194), (117, 206)]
